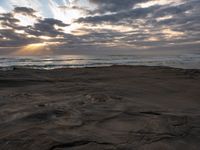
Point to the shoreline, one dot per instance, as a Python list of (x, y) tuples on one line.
[(11, 68)]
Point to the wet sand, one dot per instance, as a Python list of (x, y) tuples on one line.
[(107, 108)]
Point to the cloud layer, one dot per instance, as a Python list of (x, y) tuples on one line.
[(101, 25)]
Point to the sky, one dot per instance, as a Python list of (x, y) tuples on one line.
[(53, 27)]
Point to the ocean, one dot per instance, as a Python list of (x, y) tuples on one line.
[(186, 61)]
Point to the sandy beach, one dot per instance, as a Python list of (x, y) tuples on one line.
[(105, 108)]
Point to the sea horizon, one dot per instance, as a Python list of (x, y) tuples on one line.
[(184, 61)]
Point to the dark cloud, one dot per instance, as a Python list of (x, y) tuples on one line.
[(173, 10), (9, 38), (7, 20), (46, 27), (148, 14), (129, 15), (114, 5), (16, 35), (82, 9), (184, 18), (149, 31), (51, 21), (25, 11), (8, 17)]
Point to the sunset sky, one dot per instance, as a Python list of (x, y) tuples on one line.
[(35, 27)]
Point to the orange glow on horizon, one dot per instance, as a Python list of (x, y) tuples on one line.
[(32, 49)]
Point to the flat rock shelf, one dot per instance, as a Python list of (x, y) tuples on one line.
[(103, 108)]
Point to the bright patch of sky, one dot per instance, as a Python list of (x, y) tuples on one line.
[(47, 8)]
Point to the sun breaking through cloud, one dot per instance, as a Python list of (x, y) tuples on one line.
[(34, 26)]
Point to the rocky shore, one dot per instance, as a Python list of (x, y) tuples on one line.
[(105, 108)]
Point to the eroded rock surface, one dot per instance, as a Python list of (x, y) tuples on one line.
[(111, 108)]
